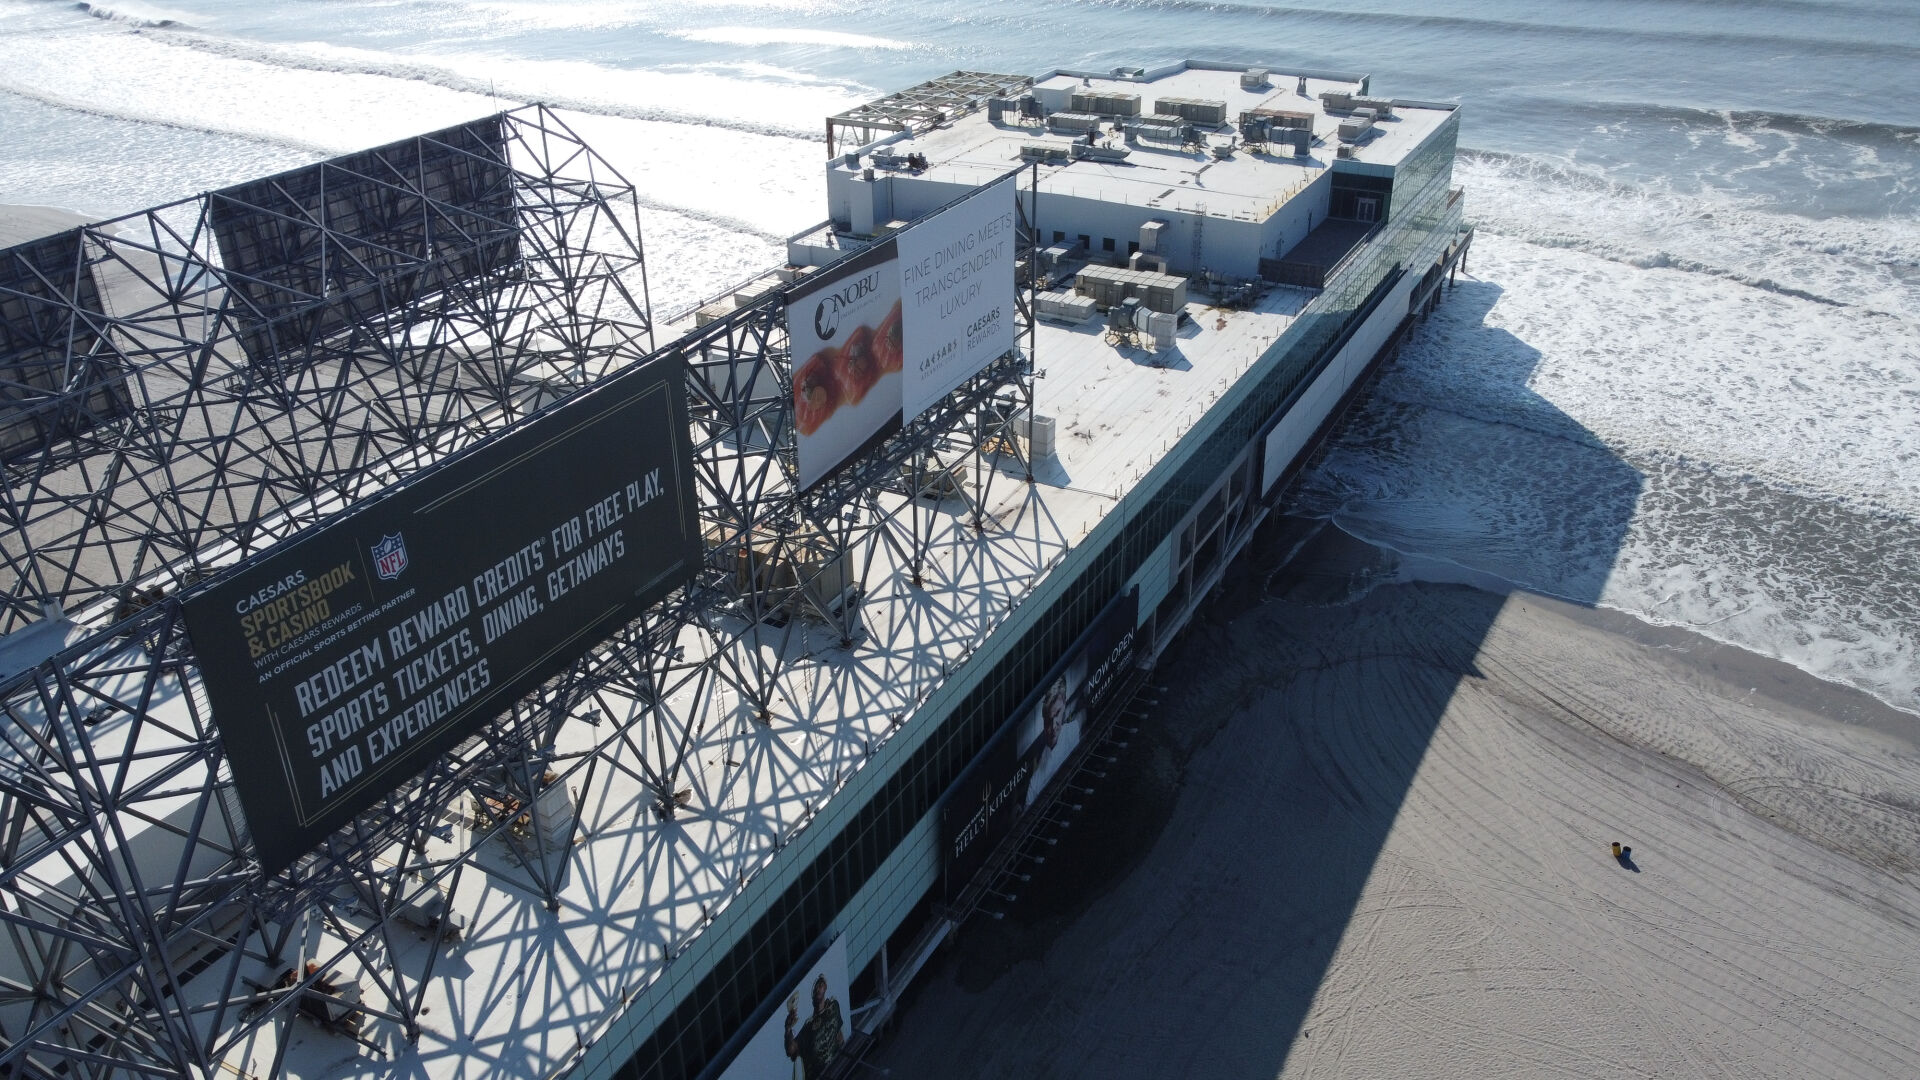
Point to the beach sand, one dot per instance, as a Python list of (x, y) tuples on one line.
[(1365, 833), (19, 224)]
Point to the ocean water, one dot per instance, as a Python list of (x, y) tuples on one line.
[(1682, 378)]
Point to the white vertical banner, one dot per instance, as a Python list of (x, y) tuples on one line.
[(956, 291)]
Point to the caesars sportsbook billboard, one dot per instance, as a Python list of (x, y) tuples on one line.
[(884, 335), (1025, 757), (344, 664)]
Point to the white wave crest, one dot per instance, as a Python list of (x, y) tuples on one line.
[(138, 15), (770, 35), (1870, 264)]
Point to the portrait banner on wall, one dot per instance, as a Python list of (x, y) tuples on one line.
[(804, 1036), (1076, 690)]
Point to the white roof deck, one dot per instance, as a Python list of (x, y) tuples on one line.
[(972, 150), (526, 987)]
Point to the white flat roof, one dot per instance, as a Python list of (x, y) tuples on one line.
[(526, 987), (971, 149)]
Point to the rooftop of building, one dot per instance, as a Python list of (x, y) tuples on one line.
[(966, 146), (644, 899), (526, 990)]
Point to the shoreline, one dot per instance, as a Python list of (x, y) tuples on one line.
[(1366, 832), (21, 222), (1818, 699)]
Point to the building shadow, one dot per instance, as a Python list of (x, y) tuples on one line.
[(1464, 481)]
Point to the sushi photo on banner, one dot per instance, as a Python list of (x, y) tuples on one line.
[(844, 326)]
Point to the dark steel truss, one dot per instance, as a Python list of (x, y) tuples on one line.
[(921, 107), (256, 403), (148, 941)]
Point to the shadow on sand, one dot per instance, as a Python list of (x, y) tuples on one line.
[(1274, 870)]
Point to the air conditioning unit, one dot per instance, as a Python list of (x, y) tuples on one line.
[(1038, 433)]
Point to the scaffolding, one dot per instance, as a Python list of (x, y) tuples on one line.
[(923, 107)]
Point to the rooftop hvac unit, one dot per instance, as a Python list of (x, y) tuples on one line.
[(539, 385), (1088, 152), (1199, 110), (1073, 121), (1253, 78), (1141, 260), (1109, 286), (1160, 327), (1038, 433), (1150, 234), (1336, 100), (1052, 155), (1068, 309), (1382, 107), (936, 481), (1054, 256), (1279, 118), (429, 910), (1355, 128), (553, 813), (1161, 129), (787, 575), (1106, 104), (1030, 108)]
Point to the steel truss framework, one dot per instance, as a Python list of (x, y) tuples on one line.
[(255, 406), (921, 107)]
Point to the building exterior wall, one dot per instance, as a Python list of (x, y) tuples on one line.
[(872, 851), (1289, 226)]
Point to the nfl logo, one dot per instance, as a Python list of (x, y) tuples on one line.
[(390, 556)]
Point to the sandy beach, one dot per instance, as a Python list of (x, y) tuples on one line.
[(19, 224), (1366, 833)]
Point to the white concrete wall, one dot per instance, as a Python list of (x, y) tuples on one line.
[(1287, 438), (1227, 246), (1295, 220), (883, 902), (1155, 576)]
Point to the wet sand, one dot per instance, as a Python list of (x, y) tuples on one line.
[(19, 224), (1365, 833)]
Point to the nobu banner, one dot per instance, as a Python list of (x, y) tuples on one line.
[(882, 336)]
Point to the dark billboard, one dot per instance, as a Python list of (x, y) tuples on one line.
[(1017, 766), (341, 666), (56, 380), (351, 240)]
